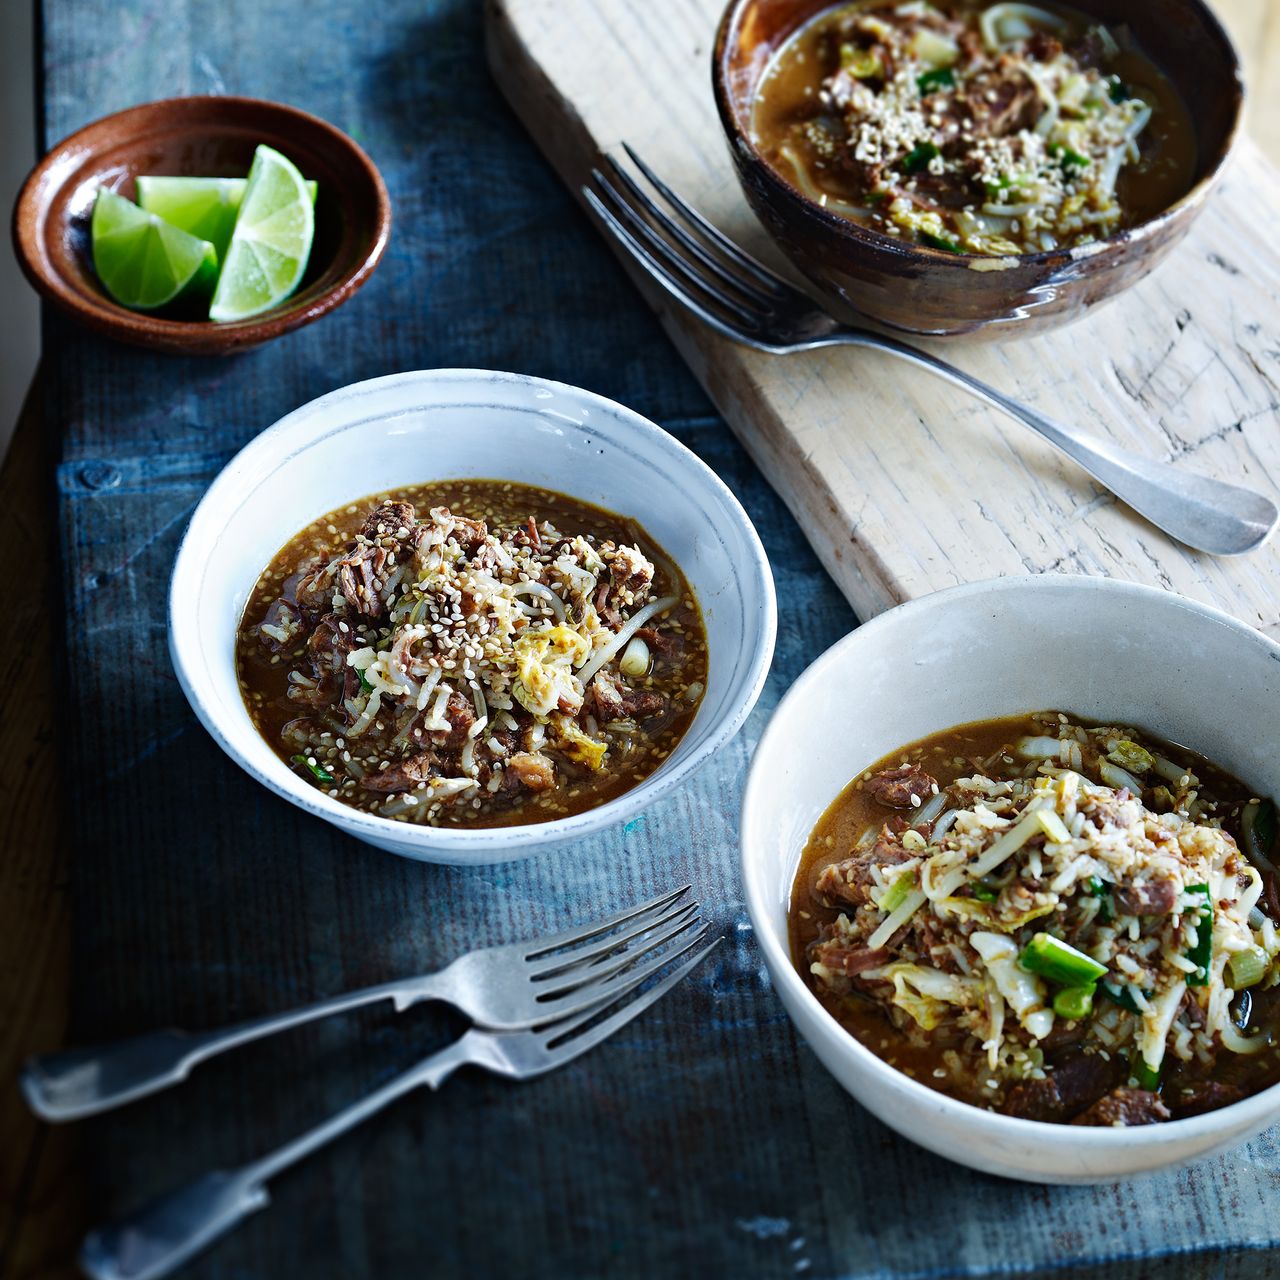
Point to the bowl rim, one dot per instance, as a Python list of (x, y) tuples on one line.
[(1254, 1107), (99, 311), (738, 136), (275, 447)]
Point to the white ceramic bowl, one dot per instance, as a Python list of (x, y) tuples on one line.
[(1100, 649), (460, 423)]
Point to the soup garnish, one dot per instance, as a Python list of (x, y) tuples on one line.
[(473, 653), (1053, 921), (985, 129)]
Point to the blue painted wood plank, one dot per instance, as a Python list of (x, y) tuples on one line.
[(705, 1140)]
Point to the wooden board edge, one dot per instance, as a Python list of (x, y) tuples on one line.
[(715, 361)]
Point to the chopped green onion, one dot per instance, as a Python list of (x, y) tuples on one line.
[(1053, 826), (1119, 91), (1148, 1077), (1069, 159), (1073, 1003), (1097, 887), (1058, 961), (1201, 955), (1246, 968), (318, 772), (918, 157), (1120, 993), (939, 242), (942, 78), (896, 894), (985, 892), (364, 681)]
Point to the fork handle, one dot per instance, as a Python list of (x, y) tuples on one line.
[(166, 1233), (1209, 515), (83, 1082)]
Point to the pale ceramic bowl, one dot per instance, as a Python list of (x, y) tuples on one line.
[(462, 424), (1097, 648)]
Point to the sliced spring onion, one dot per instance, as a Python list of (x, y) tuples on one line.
[(364, 681), (1120, 993), (1246, 968), (1118, 92), (1066, 157), (1147, 1076), (635, 659), (1073, 1003), (896, 894), (1060, 962), (932, 81), (985, 892), (1097, 887), (918, 157), (940, 242), (1201, 955), (317, 771)]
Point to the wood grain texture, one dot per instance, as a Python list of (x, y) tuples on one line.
[(902, 484), (706, 1141), (39, 1201)]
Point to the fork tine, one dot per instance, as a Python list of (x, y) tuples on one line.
[(664, 277), (674, 229), (643, 232), (571, 961), (585, 932), (563, 1046), (605, 979), (712, 232)]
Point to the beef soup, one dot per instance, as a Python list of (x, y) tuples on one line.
[(974, 128), (472, 653), (1051, 920)]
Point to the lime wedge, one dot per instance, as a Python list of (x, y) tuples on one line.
[(204, 207), (271, 242), (142, 260)]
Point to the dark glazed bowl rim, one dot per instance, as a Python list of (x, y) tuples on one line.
[(93, 307), (738, 136)]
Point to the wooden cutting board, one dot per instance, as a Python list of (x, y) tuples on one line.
[(903, 484)]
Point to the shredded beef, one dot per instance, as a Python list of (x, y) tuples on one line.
[(1204, 1095), (851, 880), (1001, 101), (1150, 898), (839, 957), (388, 519), (531, 770), (1125, 1107), (403, 776), (1073, 1084), (895, 787), (461, 715)]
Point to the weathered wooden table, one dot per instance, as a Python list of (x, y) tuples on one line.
[(706, 1141)]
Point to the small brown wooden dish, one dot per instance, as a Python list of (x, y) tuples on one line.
[(920, 290), (198, 136)]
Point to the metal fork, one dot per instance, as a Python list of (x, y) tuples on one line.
[(740, 297), (525, 984), (162, 1236)]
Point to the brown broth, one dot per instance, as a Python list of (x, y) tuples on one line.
[(947, 756), (787, 100), (502, 505)]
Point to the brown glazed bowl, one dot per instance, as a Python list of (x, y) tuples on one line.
[(918, 290), (210, 137)]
